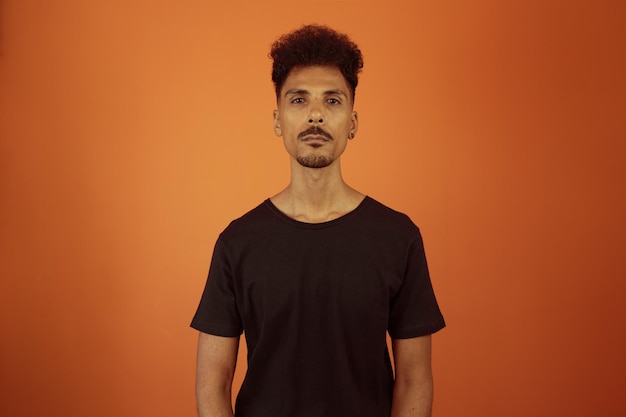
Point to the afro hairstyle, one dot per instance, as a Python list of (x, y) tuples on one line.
[(315, 45)]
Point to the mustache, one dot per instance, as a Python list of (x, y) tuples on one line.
[(315, 130)]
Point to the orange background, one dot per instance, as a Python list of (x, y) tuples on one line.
[(133, 132)]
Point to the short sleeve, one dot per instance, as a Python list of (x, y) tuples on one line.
[(414, 310), (217, 311)]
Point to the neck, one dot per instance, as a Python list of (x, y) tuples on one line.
[(317, 195)]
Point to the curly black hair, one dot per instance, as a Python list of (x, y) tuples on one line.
[(315, 45)]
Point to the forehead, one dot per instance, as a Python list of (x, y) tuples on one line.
[(315, 78)]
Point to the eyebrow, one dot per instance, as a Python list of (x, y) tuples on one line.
[(297, 91)]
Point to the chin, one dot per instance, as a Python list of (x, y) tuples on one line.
[(314, 161)]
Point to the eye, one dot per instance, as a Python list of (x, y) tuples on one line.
[(334, 101), (297, 100)]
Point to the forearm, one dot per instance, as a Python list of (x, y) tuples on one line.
[(215, 369), (413, 387), (214, 402), (412, 399)]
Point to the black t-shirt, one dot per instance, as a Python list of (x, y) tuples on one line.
[(315, 302)]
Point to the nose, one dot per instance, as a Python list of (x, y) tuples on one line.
[(315, 115)]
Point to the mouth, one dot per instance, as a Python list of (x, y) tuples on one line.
[(315, 134), (315, 139)]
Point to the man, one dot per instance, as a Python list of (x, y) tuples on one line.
[(319, 273)]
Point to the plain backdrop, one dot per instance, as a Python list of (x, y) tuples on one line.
[(132, 132)]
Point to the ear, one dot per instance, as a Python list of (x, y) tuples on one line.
[(354, 126), (277, 130)]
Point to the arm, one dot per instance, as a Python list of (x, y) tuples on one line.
[(413, 387), (215, 367)]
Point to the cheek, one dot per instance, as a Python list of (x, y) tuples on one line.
[(291, 126)]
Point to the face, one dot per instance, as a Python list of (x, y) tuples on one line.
[(315, 116)]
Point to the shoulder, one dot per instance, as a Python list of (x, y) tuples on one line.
[(380, 214), (254, 222)]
